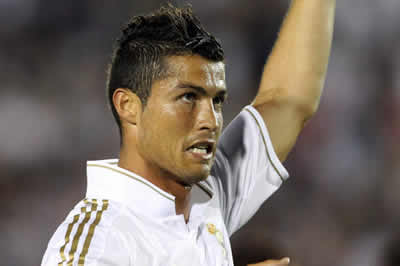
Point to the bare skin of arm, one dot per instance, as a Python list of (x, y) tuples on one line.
[(281, 262), (294, 76)]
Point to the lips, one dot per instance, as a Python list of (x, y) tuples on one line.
[(202, 149)]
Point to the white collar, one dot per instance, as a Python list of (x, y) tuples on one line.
[(109, 181)]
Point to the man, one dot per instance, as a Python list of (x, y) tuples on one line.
[(174, 197)]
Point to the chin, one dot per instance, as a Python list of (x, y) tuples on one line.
[(196, 176)]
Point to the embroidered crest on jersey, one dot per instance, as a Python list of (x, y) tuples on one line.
[(212, 229)]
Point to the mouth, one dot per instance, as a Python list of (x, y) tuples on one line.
[(202, 149)]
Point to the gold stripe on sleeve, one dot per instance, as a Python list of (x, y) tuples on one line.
[(90, 234), (69, 229), (78, 233)]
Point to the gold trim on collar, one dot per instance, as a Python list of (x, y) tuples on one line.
[(205, 189), (131, 176)]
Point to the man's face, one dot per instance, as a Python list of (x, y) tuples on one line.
[(182, 120)]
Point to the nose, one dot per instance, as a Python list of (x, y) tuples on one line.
[(207, 117)]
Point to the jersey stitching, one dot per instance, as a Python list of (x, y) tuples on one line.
[(266, 147)]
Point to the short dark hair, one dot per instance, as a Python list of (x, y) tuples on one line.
[(146, 40)]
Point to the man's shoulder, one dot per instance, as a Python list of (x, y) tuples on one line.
[(86, 234), (91, 214)]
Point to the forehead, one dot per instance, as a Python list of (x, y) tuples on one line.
[(197, 69)]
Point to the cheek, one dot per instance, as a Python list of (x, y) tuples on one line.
[(178, 118), (177, 127), (165, 131), (150, 133), (183, 120), (154, 143)]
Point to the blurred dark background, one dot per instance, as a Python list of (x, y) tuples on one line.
[(341, 204)]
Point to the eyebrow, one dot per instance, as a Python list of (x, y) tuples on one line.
[(201, 90)]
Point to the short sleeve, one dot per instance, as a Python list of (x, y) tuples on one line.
[(246, 170)]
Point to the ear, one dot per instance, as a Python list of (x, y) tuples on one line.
[(128, 105)]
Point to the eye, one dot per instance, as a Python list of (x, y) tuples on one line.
[(188, 97), (219, 100)]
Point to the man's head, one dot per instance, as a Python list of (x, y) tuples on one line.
[(146, 41), (166, 87)]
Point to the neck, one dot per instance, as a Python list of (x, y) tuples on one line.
[(133, 162)]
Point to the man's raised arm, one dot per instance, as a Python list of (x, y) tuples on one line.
[(294, 75)]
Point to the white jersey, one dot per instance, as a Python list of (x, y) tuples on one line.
[(126, 220)]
